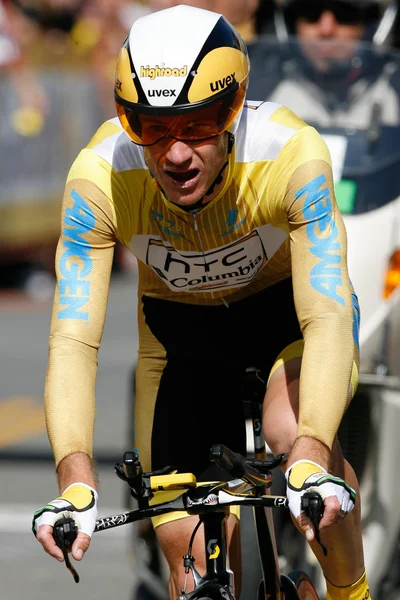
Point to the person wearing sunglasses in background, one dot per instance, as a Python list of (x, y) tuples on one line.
[(323, 50), (229, 207)]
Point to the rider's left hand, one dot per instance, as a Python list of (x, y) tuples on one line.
[(78, 502), (307, 476)]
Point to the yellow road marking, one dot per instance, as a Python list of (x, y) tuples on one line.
[(20, 417)]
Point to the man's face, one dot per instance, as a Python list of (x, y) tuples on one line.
[(328, 30), (186, 170)]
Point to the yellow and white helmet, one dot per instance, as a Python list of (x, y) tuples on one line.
[(182, 62)]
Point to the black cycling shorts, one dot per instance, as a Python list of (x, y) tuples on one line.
[(198, 399)]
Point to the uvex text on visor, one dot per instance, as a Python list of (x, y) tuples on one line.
[(188, 123)]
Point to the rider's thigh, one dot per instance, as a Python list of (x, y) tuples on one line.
[(281, 407), (174, 540), (281, 412)]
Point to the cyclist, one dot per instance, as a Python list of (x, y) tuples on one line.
[(229, 207)]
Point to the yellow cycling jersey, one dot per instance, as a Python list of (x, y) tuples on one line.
[(275, 217)]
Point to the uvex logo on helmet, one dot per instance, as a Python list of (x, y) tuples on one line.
[(157, 71), (221, 84), (220, 70)]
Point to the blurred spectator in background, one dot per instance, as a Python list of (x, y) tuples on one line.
[(322, 61), (251, 18), (375, 18), (105, 23), (57, 61), (16, 33), (78, 34)]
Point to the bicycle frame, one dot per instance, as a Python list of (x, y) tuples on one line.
[(263, 516), (202, 501), (214, 530), (210, 501), (214, 522)]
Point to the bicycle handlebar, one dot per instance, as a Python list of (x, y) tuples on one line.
[(249, 471)]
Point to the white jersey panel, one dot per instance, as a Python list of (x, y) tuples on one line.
[(258, 138), (120, 152)]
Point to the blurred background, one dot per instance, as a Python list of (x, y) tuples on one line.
[(337, 64)]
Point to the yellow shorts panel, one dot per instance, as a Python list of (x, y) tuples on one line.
[(181, 514), (295, 350)]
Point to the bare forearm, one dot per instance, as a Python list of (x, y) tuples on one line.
[(76, 467), (309, 448)]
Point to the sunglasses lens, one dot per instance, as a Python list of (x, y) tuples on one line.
[(344, 13), (147, 129), (347, 14), (309, 11)]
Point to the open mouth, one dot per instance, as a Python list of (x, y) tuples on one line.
[(183, 176)]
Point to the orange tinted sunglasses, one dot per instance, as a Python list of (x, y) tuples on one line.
[(147, 129)]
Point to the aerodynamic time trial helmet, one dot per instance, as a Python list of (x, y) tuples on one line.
[(183, 73)]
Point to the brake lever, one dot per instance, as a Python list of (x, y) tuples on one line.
[(313, 506), (64, 533)]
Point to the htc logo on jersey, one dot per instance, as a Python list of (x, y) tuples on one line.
[(221, 84), (226, 267)]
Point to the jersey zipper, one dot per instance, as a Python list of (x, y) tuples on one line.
[(196, 228)]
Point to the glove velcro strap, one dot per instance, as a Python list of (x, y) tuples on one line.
[(81, 496), (300, 470)]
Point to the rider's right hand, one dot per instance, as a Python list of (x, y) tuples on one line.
[(307, 476), (79, 502)]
